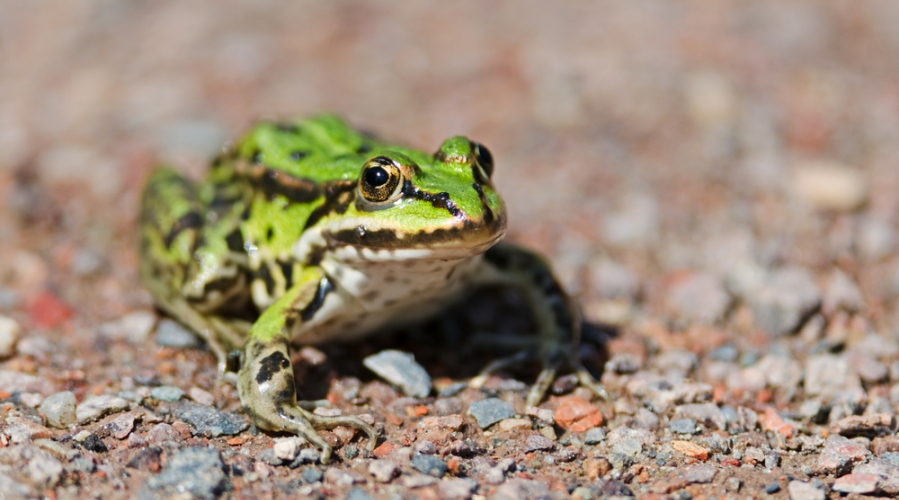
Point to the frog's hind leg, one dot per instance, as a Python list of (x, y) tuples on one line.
[(557, 316)]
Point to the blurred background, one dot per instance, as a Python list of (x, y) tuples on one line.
[(647, 147)]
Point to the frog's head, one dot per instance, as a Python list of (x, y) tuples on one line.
[(406, 202)]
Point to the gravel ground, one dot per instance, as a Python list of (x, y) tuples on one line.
[(714, 180)]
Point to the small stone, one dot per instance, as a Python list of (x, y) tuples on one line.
[(582, 493), (312, 475), (167, 393), (733, 484), (841, 293), (611, 280), (698, 298), (418, 481), (576, 414), (41, 468), (512, 424), (148, 459), (690, 449), (383, 470), (198, 471), (490, 411), (99, 406), (201, 396), (784, 299), (839, 453), (543, 416), (400, 369), (429, 464), (826, 375), (829, 185), (800, 490), (856, 483), (9, 336), (307, 456), (707, 413), (162, 433), (536, 442), (683, 426), (458, 488), (700, 473), (120, 426), (133, 328), (13, 382), (564, 384), (772, 488), (878, 424), (171, 334), (645, 419), (358, 493), (288, 448), (209, 421), (876, 238), (339, 477), (425, 446), (92, 442), (772, 421), (596, 467), (23, 431), (59, 409), (669, 485), (595, 435)]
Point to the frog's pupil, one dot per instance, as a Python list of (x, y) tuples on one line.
[(376, 176), (484, 158)]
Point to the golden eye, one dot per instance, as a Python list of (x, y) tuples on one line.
[(380, 180)]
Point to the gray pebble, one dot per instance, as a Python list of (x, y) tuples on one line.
[(167, 393), (800, 490), (358, 493), (172, 334), (701, 473), (536, 442), (683, 426), (786, 297), (891, 457), (59, 409), (699, 298), (9, 298), (595, 435), (382, 470), (452, 389), (99, 406), (312, 475), (198, 471), (490, 411), (430, 465), (208, 421), (400, 369), (458, 488), (448, 406)]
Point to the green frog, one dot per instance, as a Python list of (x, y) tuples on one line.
[(327, 234)]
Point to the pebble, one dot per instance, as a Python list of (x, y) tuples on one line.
[(400, 369), (120, 426), (312, 475), (690, 449), (772, 488), (512, 424), (13, 382), (611, 280), (856, 483), (876, 238), (167, 393), (14, 488), (543, 416), (99, 406), (134, 328), (59, 409), (700, 473), (208, 421), (198, 471), (413, 481), (800, 490), (841, 292), (595, 435), (340, 477), (827, 375), (162, 432), (698, 298), (170, 333), (9, 336), (22, 430), (516, 489), (288, 448), (41, 469), (429, 464), (877, 424), (829, 185), (784, 299), (490, 411), (383, 470), (200, 396), (683, 426), (357, 493), (536, 442), (577, 414), (886, 471), (839, 453), (458, 488)]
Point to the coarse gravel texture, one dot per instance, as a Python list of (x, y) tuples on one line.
[(716, 182)]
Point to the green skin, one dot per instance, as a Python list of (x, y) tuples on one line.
[(327, 234)]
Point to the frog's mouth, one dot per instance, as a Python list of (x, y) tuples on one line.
[(460, 239)]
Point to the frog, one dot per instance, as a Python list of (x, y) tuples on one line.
[(321, 233)]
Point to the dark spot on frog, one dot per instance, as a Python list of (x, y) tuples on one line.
[(272, 364), (287, 272), (371, 295), (289, 393), (290, 128), (270, 234), (298, 155), (363, 149), (258, 157), (190, 220), (324, 288), (264, 274), (235, 241)]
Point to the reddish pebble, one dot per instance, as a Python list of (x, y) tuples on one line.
[(691, 450), (46, 311), (577, 414), (235, 441), (732, 462), (421, 410), (384, 449), (394, 419), (771, 421)]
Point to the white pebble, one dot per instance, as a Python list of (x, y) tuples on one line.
[(828, 185), (9, 336)]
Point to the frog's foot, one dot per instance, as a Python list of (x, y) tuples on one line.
[(268, 394), (551, 363)]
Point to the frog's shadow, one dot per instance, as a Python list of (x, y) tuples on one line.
[(451, 345)]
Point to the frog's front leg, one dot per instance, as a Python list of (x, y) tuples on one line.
[(557, 316), (266, 381)]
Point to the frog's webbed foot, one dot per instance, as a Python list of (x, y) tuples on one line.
[(268, 395)]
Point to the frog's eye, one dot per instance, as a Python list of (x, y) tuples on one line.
[(483, 158), (380, 180)]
